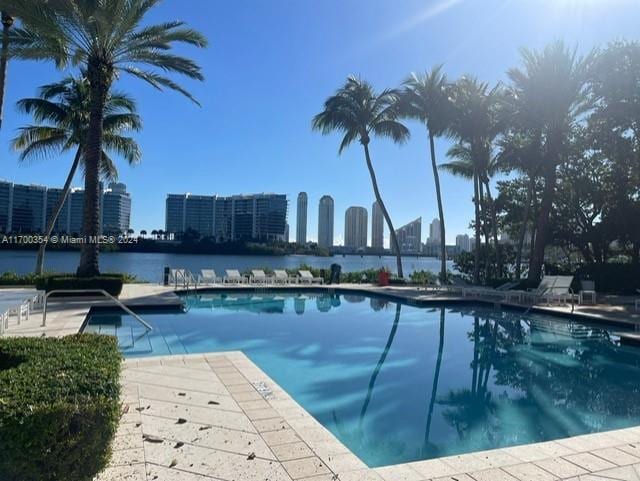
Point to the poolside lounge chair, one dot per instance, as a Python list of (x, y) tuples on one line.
[(233, 276), (305, 277), (554, 288), (587, 289), (259, 277), (280, 276), (208, 276)]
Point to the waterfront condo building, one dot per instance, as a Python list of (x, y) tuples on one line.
[(29, 208), (325, 222), (377, 227), (301, 218), (410, 237), (355, 228), (258, 217)]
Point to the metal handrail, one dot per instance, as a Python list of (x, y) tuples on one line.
[(87, 291)]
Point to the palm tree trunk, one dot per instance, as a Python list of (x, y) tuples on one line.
[(476, 202), (436, 378), (494, 221), (523, 229), (443, 241), (99, 78), (378, 368), (394, 239), (56, 211), (542, 230), (485, 231), (7, 23)]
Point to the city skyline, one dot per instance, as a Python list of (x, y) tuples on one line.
[(217, 145)]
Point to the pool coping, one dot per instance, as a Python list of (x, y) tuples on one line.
[(608, 454)]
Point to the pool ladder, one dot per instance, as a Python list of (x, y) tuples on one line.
[(92, 291)]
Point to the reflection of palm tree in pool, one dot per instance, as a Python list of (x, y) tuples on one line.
[(381, 361), (434, 388), (471, 407)]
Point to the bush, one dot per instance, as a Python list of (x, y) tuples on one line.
[(612, 278), (112, 283), (59, 406), (13, 279)]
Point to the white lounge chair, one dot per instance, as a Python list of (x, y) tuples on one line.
[(280, 276), (306, 277), (208, 276), (233, 276), (557, 288), (258, 276)]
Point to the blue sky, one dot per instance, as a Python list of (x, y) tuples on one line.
[(270, 66)]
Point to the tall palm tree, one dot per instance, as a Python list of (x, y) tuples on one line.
[(358, 112), (475, 125), (61, 112), (105, 39), (7, 23), (550, 92), (425, 97)]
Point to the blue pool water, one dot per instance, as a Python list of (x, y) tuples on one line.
[(397, 383)]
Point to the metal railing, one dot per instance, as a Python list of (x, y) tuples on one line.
[(89, 291)]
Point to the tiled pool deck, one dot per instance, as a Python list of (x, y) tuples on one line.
[(217, 416)]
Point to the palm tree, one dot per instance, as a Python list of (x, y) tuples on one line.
[(105, 39), (475, 125), (425, 97), (550, 93), (358, 112), (7, 23), (61, 112)]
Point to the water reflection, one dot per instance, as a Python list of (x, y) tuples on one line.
[(398, 383)]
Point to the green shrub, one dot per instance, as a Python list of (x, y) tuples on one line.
[(13, 279), (59, 406), (423, 277), (112, 283)]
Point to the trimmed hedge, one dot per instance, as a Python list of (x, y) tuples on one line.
[(112, 283), (59, 406)]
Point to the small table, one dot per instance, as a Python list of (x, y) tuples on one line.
[(583, 294)]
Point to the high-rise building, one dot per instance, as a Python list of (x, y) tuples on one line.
[(377, 227), (463, 243), (435, 235), (301, 218), (76, 210), (261, 217), (62, 222), (29, 208), (325, 222), (410, 237), (6, 199), (355, 228), (116, 209)]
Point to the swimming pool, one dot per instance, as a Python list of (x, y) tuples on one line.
[(397, 383)]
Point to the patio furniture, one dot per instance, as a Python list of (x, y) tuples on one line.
[(208, 276), (280, 276), (587, 290), (233, 276), (557, 288), (258, 276), (306, 277)]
